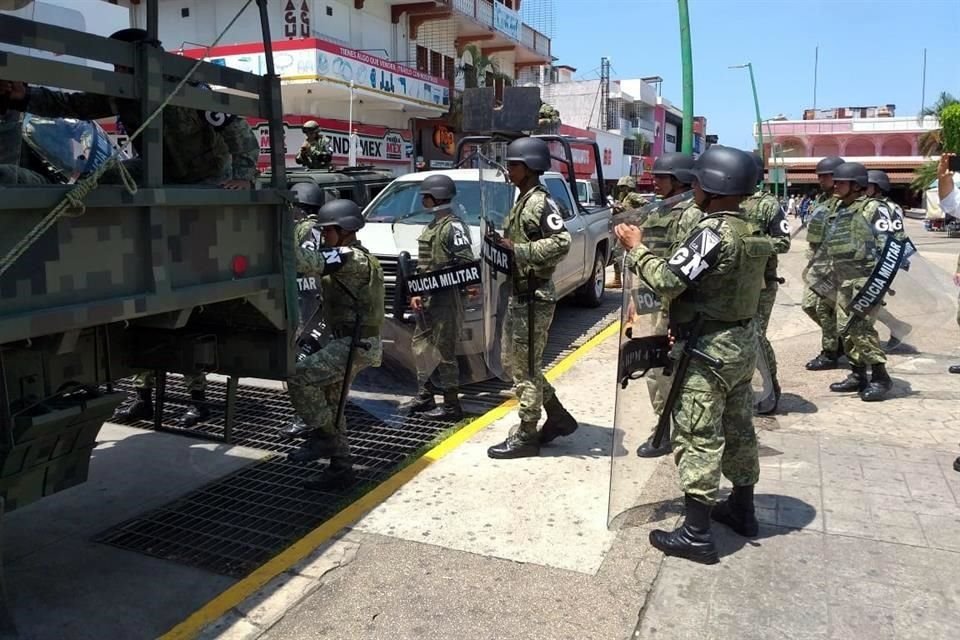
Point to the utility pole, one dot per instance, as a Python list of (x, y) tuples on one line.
[(816, 64), (686, 61), (605, 94)]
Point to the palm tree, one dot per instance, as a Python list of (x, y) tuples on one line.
[(945, 109)]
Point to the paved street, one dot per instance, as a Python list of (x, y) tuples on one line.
[(860, 534)]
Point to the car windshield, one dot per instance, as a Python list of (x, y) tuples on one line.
[(402, 198)]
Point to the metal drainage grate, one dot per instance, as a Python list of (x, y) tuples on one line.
[(234, 524)]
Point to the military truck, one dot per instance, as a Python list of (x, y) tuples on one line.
[(100, 282), (360, 184)]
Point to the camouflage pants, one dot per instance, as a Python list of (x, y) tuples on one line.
[(434, 343), (531, 391), (823, 312), (315, 388), (860, 339), (194, 382), (768, 297), (713, 420)]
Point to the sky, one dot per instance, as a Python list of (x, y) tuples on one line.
[(870, 53)]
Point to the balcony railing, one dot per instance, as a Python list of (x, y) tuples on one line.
[(482, 12)]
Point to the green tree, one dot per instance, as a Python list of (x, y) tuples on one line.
[(474, 75), (946, 138)]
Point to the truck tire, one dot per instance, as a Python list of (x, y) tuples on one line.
[(590, 293)]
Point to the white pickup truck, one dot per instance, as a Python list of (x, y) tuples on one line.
[(387, 233)]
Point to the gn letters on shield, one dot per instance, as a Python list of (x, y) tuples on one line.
[(696, 255)]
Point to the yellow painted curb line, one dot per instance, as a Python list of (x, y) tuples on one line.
[(297, 551)]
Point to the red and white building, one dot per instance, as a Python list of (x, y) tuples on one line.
[(381, 67), (874, 136)]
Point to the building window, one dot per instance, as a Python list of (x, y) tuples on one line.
[(329, 11), (449, 69), (185, 12), (436, 64), (423, 58)]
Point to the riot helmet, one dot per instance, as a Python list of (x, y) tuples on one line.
[(440, 187), (761, 166), (340, 213), (725, 171), (851, 172), (532, 152), (828, 165), (879, 178), (308, 194), (310, 126), (675, 164)]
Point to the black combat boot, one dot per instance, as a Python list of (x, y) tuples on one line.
[(198, 409), (692, 540), (449, 410), (420, 403), (880, 384), (737, 512), (856, 381), (318, 445), (296, 428), (954, 368), (141, 409), (956, 465), (823, 362), (647, 450), (337, 476), (559, 421), (514, 447)]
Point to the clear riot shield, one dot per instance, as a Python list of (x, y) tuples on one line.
[(642, 388), (905, 299), (438, 307), (38, 151), (496, 264)]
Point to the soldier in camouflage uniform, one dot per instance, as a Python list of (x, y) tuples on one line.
[(821, 310), (352, 295), (715, 276), (671, 177), (444, 242), (850, 250), (625, 198), (886, 218), (767, 216), (534, 232), (199, 147), (317, 150)]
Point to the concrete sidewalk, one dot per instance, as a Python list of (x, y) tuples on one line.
[(860, 538)]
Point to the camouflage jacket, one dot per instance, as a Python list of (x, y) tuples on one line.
[(317, 154), (198, 146), (716, 272), (632, 200), (886, 218), (849, 247), (351, 281), (766, 215), (540, 240), (820, 217), (443, 242), (660, 230), (689, 216)]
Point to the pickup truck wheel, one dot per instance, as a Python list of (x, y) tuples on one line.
[(590, 293)]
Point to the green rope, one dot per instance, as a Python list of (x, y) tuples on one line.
[(73, 204)]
